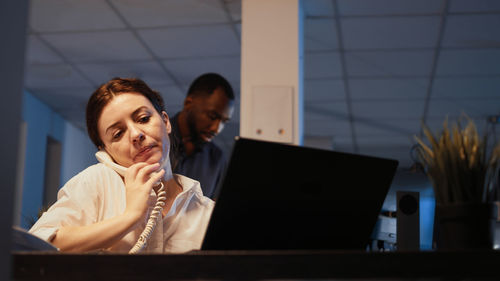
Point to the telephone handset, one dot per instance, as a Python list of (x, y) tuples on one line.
[(104, 158)]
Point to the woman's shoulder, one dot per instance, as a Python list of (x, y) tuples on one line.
[(94, 174)]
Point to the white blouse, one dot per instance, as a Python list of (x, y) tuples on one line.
[(98, 193)]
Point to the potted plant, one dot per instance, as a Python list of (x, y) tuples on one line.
[(464, 174)]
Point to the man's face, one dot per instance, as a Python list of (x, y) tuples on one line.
[(207, 115)]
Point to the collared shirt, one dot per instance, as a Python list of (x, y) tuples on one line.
[(206, 164), (98, 193)]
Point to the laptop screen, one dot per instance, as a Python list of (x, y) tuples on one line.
[(279, 196)]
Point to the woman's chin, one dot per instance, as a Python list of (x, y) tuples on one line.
[(156, 158)]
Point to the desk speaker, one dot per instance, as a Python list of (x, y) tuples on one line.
[(408, 220)]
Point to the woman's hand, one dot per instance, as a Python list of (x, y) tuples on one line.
[(139, 181)]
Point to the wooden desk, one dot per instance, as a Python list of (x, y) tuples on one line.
[(253, 265)]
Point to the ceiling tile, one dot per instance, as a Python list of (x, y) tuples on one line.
[(186, 70), (320, 35), (65, 99), (460, 6), (322, 65), (318, 8), (38, 53), (387, 7), (149, 71), (326, 111), (471, 107), (53, 76), (469, 62), (476, 31), (98, 46), (367, 110), (389, 63), (323, 90), (154, 13), (396, 128), (402, 88), (466, 87), (199, 41), (71, 15), (390, 33), (327, 128), (400, 153)]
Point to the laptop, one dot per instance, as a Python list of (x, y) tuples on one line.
[(277, 196)]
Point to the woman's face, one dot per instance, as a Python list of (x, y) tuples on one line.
[(133, 131)]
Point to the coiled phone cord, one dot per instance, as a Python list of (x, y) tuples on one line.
[(150, 226)]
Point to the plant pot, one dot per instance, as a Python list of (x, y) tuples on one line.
[(465, 226)]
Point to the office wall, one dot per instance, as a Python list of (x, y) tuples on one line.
[(78, 152), (41, 121)]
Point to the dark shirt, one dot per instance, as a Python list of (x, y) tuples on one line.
[(206, 164)]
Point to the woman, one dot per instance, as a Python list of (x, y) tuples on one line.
[(99, 209)]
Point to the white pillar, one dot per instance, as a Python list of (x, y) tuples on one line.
[(271, 70)]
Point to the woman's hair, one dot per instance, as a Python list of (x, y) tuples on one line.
[(106, 92)]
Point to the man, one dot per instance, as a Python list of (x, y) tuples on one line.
[(207, 107)]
